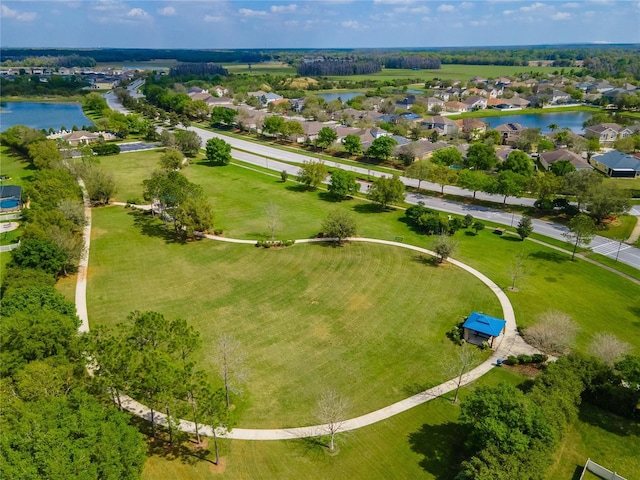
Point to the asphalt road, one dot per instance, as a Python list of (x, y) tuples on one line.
[(267, 157)]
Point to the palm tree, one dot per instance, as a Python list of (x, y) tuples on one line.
[(553, 127)]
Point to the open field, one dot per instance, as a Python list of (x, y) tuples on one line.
[(448, 72), (14, 166), (239, 197), (264, 68), (310, 317)]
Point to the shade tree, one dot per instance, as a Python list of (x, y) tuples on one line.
[(343, 184), (386, 190), (339, 224), (581, 231), (481, 156), (352, 144), (381, 148), (218, 151), (312, 173)]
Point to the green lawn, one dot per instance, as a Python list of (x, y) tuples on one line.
[(239, 197), (14, 166), (310, 317), (621, 228), (609, 440), (422, 443), (448, 72)]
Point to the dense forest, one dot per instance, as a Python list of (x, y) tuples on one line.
[(338, 67), (412, 61), (200, 69)]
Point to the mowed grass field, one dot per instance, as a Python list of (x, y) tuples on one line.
[(597, 299), (367, 321), (448, 72)]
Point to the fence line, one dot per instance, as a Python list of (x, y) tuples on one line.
[(600, 471), (8, 248)]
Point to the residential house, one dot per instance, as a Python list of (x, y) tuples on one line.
[(558, 96), (509, 132), (607, 132), (432, 102), (220, 91), (450, 94), (456, 106), (617, 164), (549, 158), (443, 124), (472, 128), (406, 103), (476, 102), (81, 137), (479, 328)]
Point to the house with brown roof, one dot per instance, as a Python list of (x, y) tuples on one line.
[(607, 132), (509, 132), (81, 137), (472, 128), (456, 106), (549, 158)]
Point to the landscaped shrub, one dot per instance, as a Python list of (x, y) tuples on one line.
[(524, 359), (456, 333), (539, 358), (274, 243), (511, 360), (106, 149), (217, 231), (544, 204)]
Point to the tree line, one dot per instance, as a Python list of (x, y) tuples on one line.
[(512, 432), (338, 67), (412, 61)]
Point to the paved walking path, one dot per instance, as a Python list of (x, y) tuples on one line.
[(510, 344)]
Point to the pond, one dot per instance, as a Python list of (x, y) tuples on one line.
[(570, 120), (344, 96), (40, 115)]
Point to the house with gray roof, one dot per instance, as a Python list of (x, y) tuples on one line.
[(607, 132), (617, 164)]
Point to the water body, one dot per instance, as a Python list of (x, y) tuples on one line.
[(570, 120), (40, 115), (344, 96)]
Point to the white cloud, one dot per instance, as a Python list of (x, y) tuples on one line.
[(105, 5), (532, 7), (167, 11), (478, 23), (508, 12), (561, 16), (393, 2), (352, 24), (421, 9), (6, 12), (213, 18), (247, 12), (446, 8), (571, 5), (284, 8), (466, 5), (138, 13)]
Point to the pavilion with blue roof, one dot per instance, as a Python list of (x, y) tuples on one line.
[(480, 328)]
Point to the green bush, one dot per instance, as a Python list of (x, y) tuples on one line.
[(524, 359), (511, 360), (539, 358), (104, 149)]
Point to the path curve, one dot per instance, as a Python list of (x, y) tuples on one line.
[(507, 343)]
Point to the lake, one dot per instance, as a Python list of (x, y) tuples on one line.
[(344, 96), (41, 115), (571, 120)]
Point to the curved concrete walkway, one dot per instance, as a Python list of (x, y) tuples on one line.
[(507, 344)]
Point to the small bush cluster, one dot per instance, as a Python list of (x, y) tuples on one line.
[(522, 359), (456, 334), (105, 149), (274, 243), (218, 231)]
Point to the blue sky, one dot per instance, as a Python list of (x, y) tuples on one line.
[(314, 24)]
